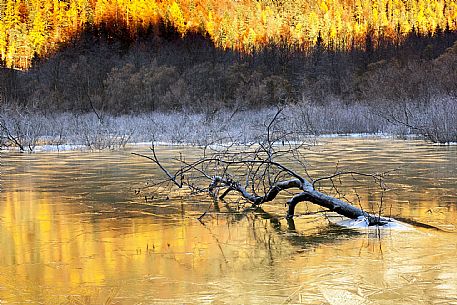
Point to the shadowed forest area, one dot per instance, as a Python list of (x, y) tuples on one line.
[(111, 73)]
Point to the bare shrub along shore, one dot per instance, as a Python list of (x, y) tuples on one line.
[(25, 129)]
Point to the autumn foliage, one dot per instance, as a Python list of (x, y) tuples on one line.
[(31, 28)]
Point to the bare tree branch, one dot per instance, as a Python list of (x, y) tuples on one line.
[(307, 189), (258, 177)]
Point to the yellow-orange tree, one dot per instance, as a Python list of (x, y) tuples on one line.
[(29, 27)]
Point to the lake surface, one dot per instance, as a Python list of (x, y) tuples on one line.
[(73, 230)]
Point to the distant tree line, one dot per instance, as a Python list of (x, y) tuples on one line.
[(101, 71)]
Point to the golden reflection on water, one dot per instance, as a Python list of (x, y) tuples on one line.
[(72, 231)]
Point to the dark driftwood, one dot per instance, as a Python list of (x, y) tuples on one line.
[(262, 173), (308, 194)]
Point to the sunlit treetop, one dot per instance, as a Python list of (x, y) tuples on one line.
[(34, 27)]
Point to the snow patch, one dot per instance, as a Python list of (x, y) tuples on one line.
[(362, 223)]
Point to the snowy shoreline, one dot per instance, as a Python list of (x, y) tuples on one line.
[(29, 131), (314, 139)]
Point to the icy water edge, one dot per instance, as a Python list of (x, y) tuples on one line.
[(73, 231)]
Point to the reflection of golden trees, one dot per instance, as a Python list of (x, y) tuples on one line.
[(55, 252), (54, 249), (29, 27), (49, 242)]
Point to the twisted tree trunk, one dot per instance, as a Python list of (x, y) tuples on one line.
[(262, 174), (308, 194)]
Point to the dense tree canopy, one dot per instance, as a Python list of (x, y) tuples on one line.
[(30, 28)]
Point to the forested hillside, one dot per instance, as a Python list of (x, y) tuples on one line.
[(31, 28), (341, 65), (170, 73)]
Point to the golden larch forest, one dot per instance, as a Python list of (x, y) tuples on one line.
[(30, 28)]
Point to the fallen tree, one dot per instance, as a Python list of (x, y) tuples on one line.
[(260, 172)]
